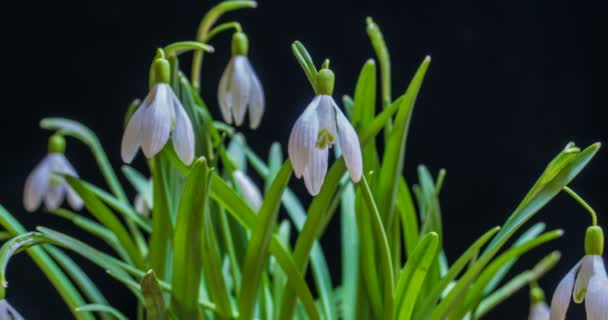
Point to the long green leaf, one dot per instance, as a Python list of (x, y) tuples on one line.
[(56, 276), (257, 249), (413, 274), (394, 153), (350, 252), (104, 309), (187, 245), (305, 61)]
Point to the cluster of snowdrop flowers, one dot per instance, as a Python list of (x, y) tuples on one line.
[(587, 281), (159, 116), (320, 126), (45, 183), (239, 89)]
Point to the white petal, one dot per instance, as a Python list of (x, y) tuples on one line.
[(73, 199), (257, 101), (183, 134), (596, 299), (240, 89), (140, 206), (7, 312), (561, 297), (327, 115), (350, 146), (248, 189), (539, 311), (303, 138), (223, 94), (582, 278), (36, 185), (62, 165), (131, 138), (314, 173), (54, 195), (157, 120)]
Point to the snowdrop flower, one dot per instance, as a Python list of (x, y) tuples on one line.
[(239, 89), (539, 310), (143, 201), (587, 281), (7, 312), (44, 183), (248, 189), (320, 126), (159, 116)]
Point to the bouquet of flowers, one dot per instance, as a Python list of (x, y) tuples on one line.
[(202, 240)]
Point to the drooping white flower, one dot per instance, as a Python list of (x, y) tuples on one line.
[(588, 282), (248, 189), (143, 201), (240, 89), (539, 311), (45, 183), (320, 126), (159, 116), (7, 312)]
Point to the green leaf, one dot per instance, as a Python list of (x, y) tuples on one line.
[(425, 306), (559, 173), (516, 283), (455, 306), (153, 297), (407, 213), (104, 215), (104, 309), (350, 253), (140, 183), (257, 249), (187, 244), (82, 280), (56, 276), (275, 160), (305, 61), (394, 152), (413, 274), (379, 45), (364, 110), (88, 137), (385, 254)]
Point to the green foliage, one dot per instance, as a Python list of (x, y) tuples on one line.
[(206, 252)]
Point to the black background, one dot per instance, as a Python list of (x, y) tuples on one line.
[(510, 84)]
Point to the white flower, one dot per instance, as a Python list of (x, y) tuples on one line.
[(45, 183), (7, 312), (314, 133), (159, 116), (240, 90), (539, 311), (586, 281), (248, 189)]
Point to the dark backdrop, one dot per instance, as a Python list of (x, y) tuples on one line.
[(510, 84)]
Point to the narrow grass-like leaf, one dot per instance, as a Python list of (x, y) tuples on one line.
[(104, 309), (56, 276), (88, 137), (154, 302), (559, 173), (409, 220), (394, 152), (139, 182), (107, 218), (413, 274), (257, 249), (305, 61), (425, 306), (350, 253), (364, 109), (187, 245)]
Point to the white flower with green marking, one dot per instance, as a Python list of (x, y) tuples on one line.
[(240, 89), (320, 126), (587, 282), (539, 311), (160, 116), (45, 183)]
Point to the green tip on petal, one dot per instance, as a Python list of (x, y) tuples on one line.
[(594, 241), (240, 44), (57, 143)]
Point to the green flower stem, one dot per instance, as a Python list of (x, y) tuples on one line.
[(205, 27), (385, 253), (223, 27), (60, 281), (162, 230), (583, 203)]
